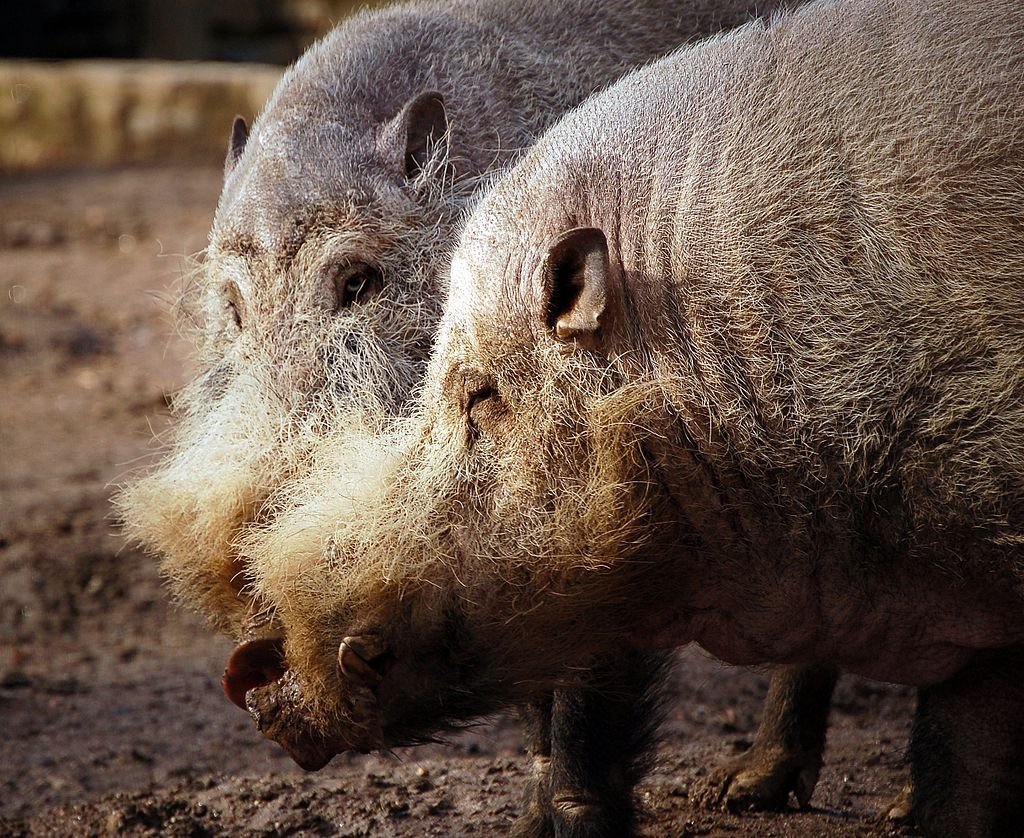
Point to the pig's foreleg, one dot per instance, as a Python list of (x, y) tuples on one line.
[(967, 750), (600, 744), (787, 752), (536, 821)]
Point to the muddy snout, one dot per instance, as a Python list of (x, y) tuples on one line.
[(258, 679)]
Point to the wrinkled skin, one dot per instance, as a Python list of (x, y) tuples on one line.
[(777, 410), (316, 306)]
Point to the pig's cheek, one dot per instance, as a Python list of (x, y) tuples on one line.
[(401, 686)]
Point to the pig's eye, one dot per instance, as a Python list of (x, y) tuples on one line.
[(356, 283), (481, 407), (236, 315), (233, 304)]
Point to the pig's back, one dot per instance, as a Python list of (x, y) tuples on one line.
[(507, 68)]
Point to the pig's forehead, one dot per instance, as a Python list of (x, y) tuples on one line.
[(495, 248), (471, 289), (283, 179)]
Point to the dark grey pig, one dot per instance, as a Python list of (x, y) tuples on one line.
[(319, 297), (734, 356)]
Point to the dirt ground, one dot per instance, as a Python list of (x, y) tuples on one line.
[(112, 719)]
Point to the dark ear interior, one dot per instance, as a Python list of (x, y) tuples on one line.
[(421, 124), (575, 284), (236, 145), (426, 125)]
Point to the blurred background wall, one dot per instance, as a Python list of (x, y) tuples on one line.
[(269, 31), (106, 82)]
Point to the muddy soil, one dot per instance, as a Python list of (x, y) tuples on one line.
[(112, 720)]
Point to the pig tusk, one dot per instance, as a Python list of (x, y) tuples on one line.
[(356, 656)]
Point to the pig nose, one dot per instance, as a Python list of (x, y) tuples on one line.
[(364, 659), (254, 663)]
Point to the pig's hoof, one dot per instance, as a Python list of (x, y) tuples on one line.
[(588, 815), (534, 823), (575, 817), (758, 782), (900, 810)]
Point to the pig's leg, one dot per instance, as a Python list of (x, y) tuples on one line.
[(967, 750), (602, 744), (589, 748), (536, 821), (786, 754)]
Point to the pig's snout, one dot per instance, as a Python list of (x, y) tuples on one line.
[(364, 659), (254, 663)]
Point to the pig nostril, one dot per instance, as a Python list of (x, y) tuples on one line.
[(254, 663)]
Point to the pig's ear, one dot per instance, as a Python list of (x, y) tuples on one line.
[(407, 140), (236, 145), (574, 285)]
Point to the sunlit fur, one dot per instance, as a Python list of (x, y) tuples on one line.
[(800, 439), (311, 559), (318, 185), (249, 422)]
